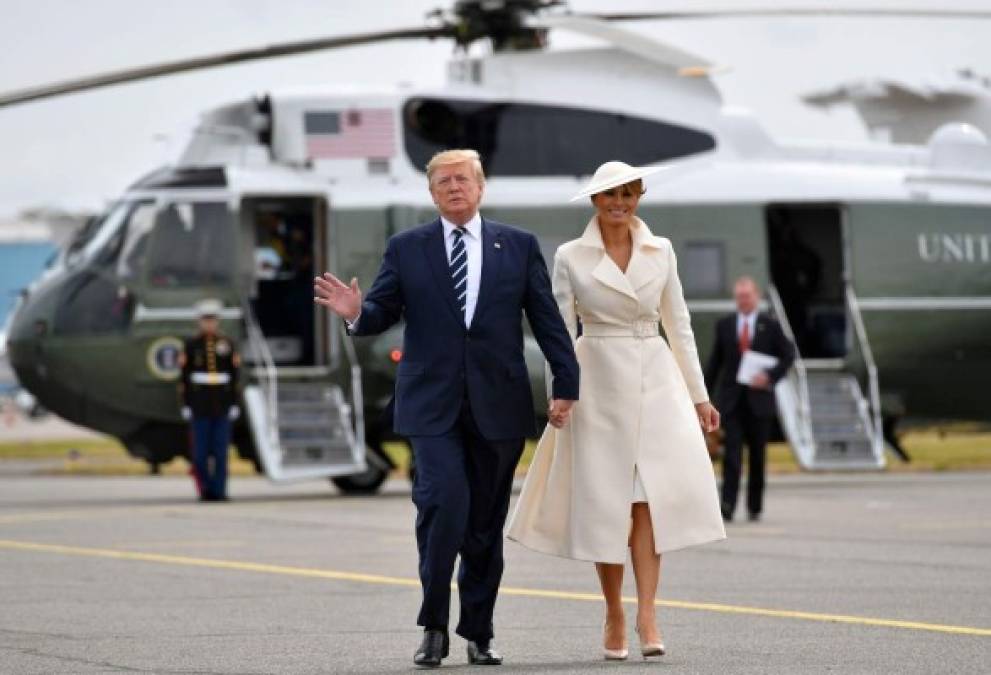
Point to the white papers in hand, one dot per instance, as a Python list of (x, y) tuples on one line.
[(752, 363)]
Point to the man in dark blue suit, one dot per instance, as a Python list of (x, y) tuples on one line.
[(462, 283)]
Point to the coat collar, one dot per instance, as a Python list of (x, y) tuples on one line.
[(642, 236), (642, 268)]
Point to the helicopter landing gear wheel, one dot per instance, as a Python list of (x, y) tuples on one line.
[(371, 479), (366, 483)]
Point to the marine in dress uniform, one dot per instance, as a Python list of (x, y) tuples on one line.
[(208, 390)]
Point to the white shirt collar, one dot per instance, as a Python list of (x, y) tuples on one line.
[(751, 319), (473, 226)]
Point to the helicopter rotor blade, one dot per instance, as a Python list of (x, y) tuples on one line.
[(464, 28), (628, 40), (851, 11), (214, 60)]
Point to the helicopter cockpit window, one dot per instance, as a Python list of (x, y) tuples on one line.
[(130, 262), (93, 305), (192, 245), (100, 239), (519, 139)]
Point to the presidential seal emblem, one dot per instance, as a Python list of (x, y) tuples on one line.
[(163, 358)]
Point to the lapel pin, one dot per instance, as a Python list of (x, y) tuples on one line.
[(498, 245)]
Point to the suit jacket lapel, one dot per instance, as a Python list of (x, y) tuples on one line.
[(760, 326), (436, 255), (492, 255), (733, 337)]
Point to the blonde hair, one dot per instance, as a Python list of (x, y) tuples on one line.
[(446, 157)]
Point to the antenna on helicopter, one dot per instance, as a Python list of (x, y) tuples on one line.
[(508, 24)]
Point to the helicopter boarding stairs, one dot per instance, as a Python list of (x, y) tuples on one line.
[(306, 423), (825, 416)]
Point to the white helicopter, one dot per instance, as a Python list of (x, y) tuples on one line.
[(877, 257)]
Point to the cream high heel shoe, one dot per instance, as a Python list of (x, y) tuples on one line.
[(613, 654), (649, 649)]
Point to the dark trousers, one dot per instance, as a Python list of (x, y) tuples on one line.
[(211, 438), (461, 490), (742, 425)]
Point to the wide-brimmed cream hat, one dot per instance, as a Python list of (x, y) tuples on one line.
[(613, 174)]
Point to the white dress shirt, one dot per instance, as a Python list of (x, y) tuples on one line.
[(751, 320), (473, 247)]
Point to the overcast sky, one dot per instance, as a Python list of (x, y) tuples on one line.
[(80, 150)]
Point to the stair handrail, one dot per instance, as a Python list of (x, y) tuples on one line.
[(269, 380), (357, 395), (853, 306), (801, 370)]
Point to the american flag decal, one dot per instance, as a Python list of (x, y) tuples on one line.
[(359, 133)]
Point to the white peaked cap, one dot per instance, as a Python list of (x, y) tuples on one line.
[(209, 307), (613, 174)]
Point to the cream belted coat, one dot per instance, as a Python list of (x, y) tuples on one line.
[(636, 412)]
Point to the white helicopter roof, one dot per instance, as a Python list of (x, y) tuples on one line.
[(634, 76)]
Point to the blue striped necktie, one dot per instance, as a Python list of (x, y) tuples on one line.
[(459, 269)]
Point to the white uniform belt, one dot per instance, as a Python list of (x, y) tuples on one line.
[(210, 378), (638, 329)]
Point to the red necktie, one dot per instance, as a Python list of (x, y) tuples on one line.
[(745, 336)]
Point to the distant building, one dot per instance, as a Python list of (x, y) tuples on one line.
[(27, 243)]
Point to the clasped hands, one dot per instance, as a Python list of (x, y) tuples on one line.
[(559, 412), (708, 416)]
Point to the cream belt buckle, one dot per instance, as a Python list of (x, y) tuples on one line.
[(644, 329)]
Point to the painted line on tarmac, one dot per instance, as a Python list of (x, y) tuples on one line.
[(90, 514), (942, 526), (186, 543), (382, 580)]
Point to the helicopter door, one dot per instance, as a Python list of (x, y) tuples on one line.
[(288, 235), (806, 254)]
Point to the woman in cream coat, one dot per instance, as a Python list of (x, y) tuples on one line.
[(630, 468)]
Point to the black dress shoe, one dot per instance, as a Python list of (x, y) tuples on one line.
[(435, 646), (482, 654), (754, 517)]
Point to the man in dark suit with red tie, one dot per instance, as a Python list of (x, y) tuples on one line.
[(747, 409)]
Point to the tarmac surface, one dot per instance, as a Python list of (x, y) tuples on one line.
[(14, 427), (846, 574)]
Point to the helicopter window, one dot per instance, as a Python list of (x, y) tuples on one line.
[(81, 237), (103, 237), (93, 305), (135, 243), (703, 270), (519, 139), (192, 245)]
